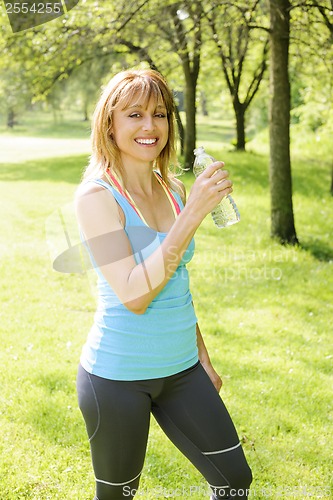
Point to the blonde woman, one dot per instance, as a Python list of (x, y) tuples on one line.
[(144, 353)]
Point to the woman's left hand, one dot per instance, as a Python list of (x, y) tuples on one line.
[(213, 375)]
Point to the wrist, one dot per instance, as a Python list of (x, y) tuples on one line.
[(205, 360), (192, 217)]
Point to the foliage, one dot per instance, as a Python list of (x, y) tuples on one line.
[(239, 32), (34, 60), (311, 96)]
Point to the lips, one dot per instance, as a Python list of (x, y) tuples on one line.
[(146, 142)]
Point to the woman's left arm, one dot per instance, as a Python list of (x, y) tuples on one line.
[(202, 350), (205, 361)]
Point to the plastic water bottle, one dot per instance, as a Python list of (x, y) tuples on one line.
[(226, 213)]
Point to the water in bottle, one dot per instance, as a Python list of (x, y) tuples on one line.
[(226, 213)]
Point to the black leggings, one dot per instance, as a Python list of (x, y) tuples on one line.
[(190, 412)]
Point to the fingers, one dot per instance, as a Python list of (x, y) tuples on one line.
[(210, 187), (215, 175), (213, 168), (224, 184)]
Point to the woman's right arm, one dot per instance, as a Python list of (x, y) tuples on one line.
[(137, 285)]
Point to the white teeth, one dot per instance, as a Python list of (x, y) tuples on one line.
[(146, 141)]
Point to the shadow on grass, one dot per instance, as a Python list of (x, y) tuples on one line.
[(217, 133), (318, 249), (66, 169), (245, 167), (316, 186), (249, 168)]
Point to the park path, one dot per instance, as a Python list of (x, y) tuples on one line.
[(14, 149)]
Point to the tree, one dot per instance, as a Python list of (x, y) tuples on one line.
[(53, 51), (326, 13), (243, 57), (181, 27), (59, 49), (282, 217), (326, 9), (14, 92)]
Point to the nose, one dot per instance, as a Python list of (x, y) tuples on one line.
[(148, 123)]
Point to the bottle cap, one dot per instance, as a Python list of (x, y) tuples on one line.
[(199, 150)]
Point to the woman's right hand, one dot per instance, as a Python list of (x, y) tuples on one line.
[(209, 188)]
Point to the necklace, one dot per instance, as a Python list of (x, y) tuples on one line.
[(115, 183)]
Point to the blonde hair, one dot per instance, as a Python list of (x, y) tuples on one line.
[(118, 92)]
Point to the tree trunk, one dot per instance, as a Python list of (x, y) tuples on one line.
[(203, 100), (85, 109), (10, 118), (282, 217), (181, 131), (190, 58), (190, 110), (240, 109)]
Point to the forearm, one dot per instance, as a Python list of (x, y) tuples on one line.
[(159, 267)]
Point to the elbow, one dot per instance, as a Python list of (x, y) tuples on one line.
[(136, 307), (137, 311)]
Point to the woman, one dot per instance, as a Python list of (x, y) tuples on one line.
[(145, 353)]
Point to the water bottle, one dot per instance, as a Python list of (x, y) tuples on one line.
[(226, 213)]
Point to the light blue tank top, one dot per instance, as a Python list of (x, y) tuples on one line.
[(122, 345)]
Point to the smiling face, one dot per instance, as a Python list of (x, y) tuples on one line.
[(140, 130), (134, 121)]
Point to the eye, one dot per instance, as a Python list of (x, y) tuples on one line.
[(134, 115), (160, 115)]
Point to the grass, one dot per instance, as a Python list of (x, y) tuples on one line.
[(60, 125), (265, 312)]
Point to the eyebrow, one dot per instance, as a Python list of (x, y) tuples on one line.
[(140, 106)]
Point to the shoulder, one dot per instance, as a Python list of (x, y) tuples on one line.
[(179, 187), (89, 187), (94, 197)]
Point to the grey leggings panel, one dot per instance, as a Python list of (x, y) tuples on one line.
[(190, 412)]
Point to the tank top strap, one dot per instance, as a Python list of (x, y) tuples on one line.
[(169, 193), (122, 201), (116, 184), (126, 202)]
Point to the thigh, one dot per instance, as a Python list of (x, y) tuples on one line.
[(192, 414), (117, 419)]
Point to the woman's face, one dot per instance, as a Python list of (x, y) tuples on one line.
[(140, 131)]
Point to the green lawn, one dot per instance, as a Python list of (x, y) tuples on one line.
[(264, 310)]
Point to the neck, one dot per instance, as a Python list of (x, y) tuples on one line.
[(139, 181)]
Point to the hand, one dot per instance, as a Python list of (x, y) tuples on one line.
[(210, 187), (213, 375)]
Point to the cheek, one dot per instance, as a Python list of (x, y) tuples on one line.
[(117, 135)]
